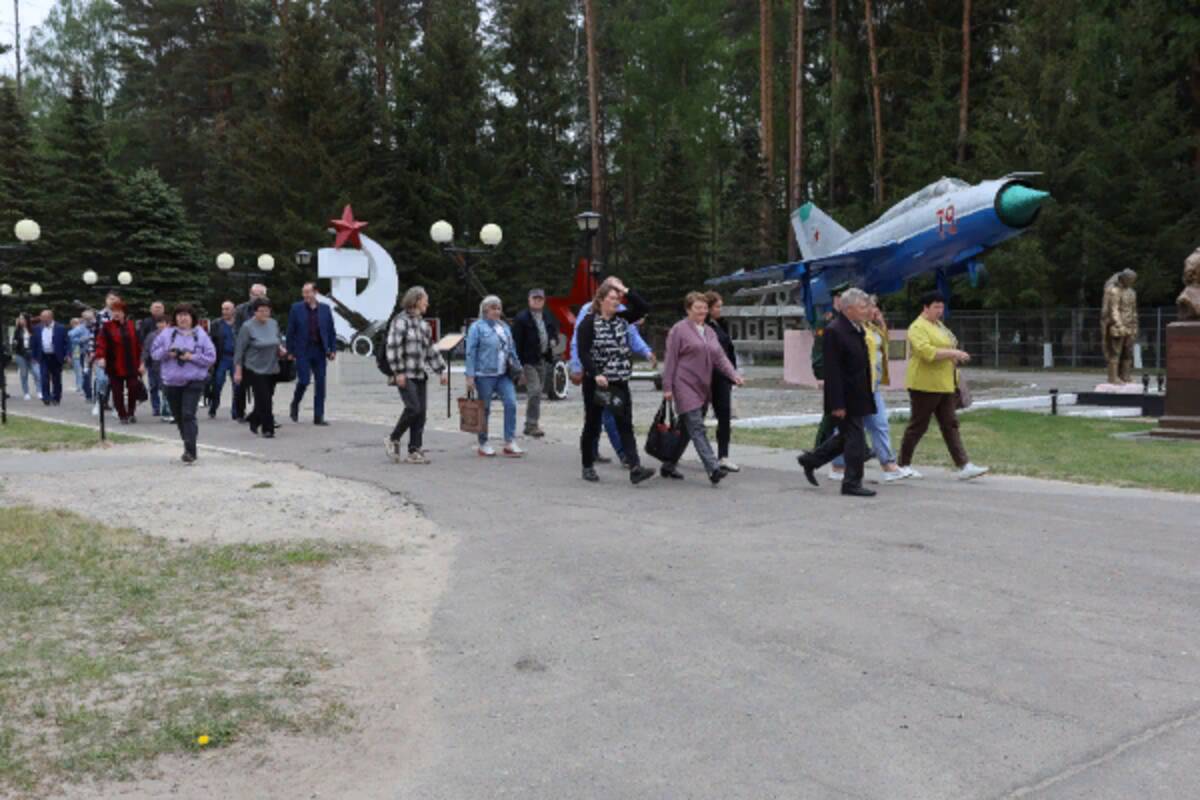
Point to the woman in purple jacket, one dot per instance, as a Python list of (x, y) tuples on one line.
[(185, 353), (693, 354)]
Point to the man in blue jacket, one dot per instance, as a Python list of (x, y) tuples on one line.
[(49, 347), (311, 340)]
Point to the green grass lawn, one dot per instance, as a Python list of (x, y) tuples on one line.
[(23, 433), (1040, 446), (116, 647)]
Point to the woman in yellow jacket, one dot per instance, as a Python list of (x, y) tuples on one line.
[(932, 381)]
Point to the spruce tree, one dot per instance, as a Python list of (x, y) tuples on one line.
[(21, 181), (160, 248), (741, 204), (668, 237), (84, 216)]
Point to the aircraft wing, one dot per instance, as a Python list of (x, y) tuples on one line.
[(858, 263), (771, 274)]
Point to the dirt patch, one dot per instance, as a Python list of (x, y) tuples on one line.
[(368, 617)]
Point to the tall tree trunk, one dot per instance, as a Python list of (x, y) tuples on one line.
[(873, 55), (965, 92), (380, 51), (796, 155), (766, 109), (17, 40), (594, 118), (833, 90)]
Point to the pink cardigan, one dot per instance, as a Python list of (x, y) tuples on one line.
[(691, 358)]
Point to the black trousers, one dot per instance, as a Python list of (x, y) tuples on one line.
[(593, 422), (850, 441), (263, 388), (722, 406), (183, 401), (415, 397)]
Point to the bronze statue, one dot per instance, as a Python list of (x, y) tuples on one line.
[(1189, 299), (1118, 324)]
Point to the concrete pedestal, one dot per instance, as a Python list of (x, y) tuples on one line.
[(1182, 417)]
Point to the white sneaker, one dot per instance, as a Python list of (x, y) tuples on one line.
[(837, 474), (909, 472), (513, 450), (39, 396), (897, 475), (486, 450), (95, 409), (392, 448), (27, 397), (971, 471), (728, 465)]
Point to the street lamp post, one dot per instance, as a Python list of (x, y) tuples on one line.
[(467, 258), (589, 225), (265, 263), (26, 232)]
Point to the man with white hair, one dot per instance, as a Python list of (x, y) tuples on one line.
[(848, 395)]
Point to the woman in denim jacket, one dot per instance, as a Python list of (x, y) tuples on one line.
[(491, 360)]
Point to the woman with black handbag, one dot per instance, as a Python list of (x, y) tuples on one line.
[(606, 357), (256, 363), (694, 354)]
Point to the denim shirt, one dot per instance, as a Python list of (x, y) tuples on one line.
[(483, 349), (634, 339), (78, 337)]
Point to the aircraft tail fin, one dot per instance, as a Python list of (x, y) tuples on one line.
[(816, 232)]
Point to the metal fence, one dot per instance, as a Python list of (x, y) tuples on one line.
[(1019, 338)]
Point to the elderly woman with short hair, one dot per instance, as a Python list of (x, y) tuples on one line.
[(185, 353), (492, 363), (412, 356), (694, 353), (256, 362)]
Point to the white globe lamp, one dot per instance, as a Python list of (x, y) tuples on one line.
[(224, 262), (441, 232), (491, 234), (124, 278), (27, 231)]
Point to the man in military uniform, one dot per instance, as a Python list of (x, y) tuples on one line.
[(1119, 325)]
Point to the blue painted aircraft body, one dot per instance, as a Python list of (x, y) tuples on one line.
[(942, 229)]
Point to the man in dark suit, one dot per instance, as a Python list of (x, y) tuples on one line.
[(50, 348), (311, 340), (848, 395)]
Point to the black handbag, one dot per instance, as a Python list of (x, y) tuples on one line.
[(667, 439), (287, 371)]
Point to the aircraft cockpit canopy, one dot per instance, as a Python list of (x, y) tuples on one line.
[(936, 189)]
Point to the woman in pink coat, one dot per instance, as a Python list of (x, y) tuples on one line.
[(693, 353)]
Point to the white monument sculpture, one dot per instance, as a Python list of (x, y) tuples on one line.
[(358, 315)]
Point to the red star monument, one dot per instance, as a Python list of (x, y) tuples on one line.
[(348, 229)]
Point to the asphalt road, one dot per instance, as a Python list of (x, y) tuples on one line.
[(1002, 638)]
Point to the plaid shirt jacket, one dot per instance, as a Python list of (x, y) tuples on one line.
[(410, 350)]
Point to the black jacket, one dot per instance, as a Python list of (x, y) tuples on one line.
[(526, 336), (722, 329), (636, 307), (847, 369)]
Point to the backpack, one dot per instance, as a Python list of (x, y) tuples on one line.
[(379, 345)]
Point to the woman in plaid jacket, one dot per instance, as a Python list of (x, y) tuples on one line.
[(412, 356)]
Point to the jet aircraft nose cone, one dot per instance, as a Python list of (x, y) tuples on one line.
[(1017, 205)]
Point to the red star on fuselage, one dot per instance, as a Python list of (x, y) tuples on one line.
[(348, 229)]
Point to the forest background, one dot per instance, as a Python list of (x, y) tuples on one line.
[(151, 135)]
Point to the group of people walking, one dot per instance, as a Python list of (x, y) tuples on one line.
[(188, 360)]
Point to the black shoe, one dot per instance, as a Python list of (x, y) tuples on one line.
[(212, 415), (857, 491), (715, 476), (188, 458), (269, 433), (639, 474), (242, 421), (670, 472), (132, 418), (321, 422), (603, 460), (253, 428), (590, 475), (295, 413), (810, 471)]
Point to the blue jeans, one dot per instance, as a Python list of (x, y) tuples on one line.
[(489, 385), (77, 368), (614, 435), (25, 366), (881, 437), (311, 365), (154, 387), (100, 383), (223, 369)]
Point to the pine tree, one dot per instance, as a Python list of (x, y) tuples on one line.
[(668, 237), (741, 247), (84, 214), (160, 247), (21, 179)]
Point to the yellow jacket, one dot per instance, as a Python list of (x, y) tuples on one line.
[(925, 373), (874, 354)]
